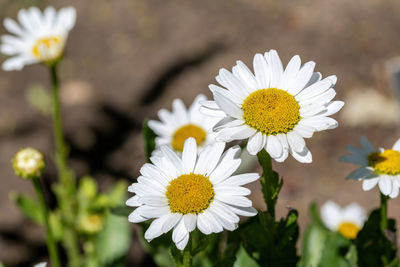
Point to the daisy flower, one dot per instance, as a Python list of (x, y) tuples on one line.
[(39, 37), (378, 166), (195, 190), (348, 220), (180, 124), (274, 108)]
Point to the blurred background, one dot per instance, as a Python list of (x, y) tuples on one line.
[(128, 58)]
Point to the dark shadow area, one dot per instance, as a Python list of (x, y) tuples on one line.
[(182, 64)]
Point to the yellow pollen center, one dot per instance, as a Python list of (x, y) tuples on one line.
[(184, 132), (349, 230), (48, 44), (189, 193), (387, 162), (271, 111)]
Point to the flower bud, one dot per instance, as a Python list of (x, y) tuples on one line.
[(28, 163), (91, 223)]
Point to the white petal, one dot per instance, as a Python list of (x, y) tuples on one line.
[(276, 68), (396, 146), (246, 76), (190, 221), (133, 202), (304, 131), (315, 89), (296, 142), (303, 77), (159, 128), (289, 76), (13, 27), (179, 231), (331, 215), (228, 106), (360, 173), (243, 211), (303, 156), (189, 155), (203, 224), (172, 157), (154, 229), (135, 217), (385, 185), (234, 200), (224, 170), (355, 158), (180, 112), (395, 190), (173, 219), (256, 143), (274, 146), (368, 184), (182, 244), (233, 84), (333, 107), (209, 158), (366, 145), (233, 190), (152, 212), (261, 71), (242, 179), (223, 211)]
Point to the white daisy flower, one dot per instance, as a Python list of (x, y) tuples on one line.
[(180, 124), (378, 166), (274, 108), (195, 190), (39, 37), (348, 220), (42, 264)]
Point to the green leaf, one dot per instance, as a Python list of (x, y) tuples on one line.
[(244, 260), (271, 243), (313, 245), (149, 140), (114, 239), (374, 247), (29, 207), (123, 211), (352, 256), (232, 248)]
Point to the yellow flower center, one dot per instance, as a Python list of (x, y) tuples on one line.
[(189, 193), (48, 48), (184, 132), (349, 230), (271, 111), (387, 162)]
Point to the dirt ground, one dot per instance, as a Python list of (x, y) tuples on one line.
[(128, 58)]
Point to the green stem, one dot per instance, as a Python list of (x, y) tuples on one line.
[(270, 184), (187, 258), (67, 184), (384, 222), (51, 244), (60, 147)]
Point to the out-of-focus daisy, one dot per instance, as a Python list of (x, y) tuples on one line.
[(180, 124), (42, 264), (274, 108), (39, 37), (195, 190), (348, 220), (378, 166)]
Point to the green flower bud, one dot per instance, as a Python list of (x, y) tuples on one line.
[(91, 223), (28, 163)]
